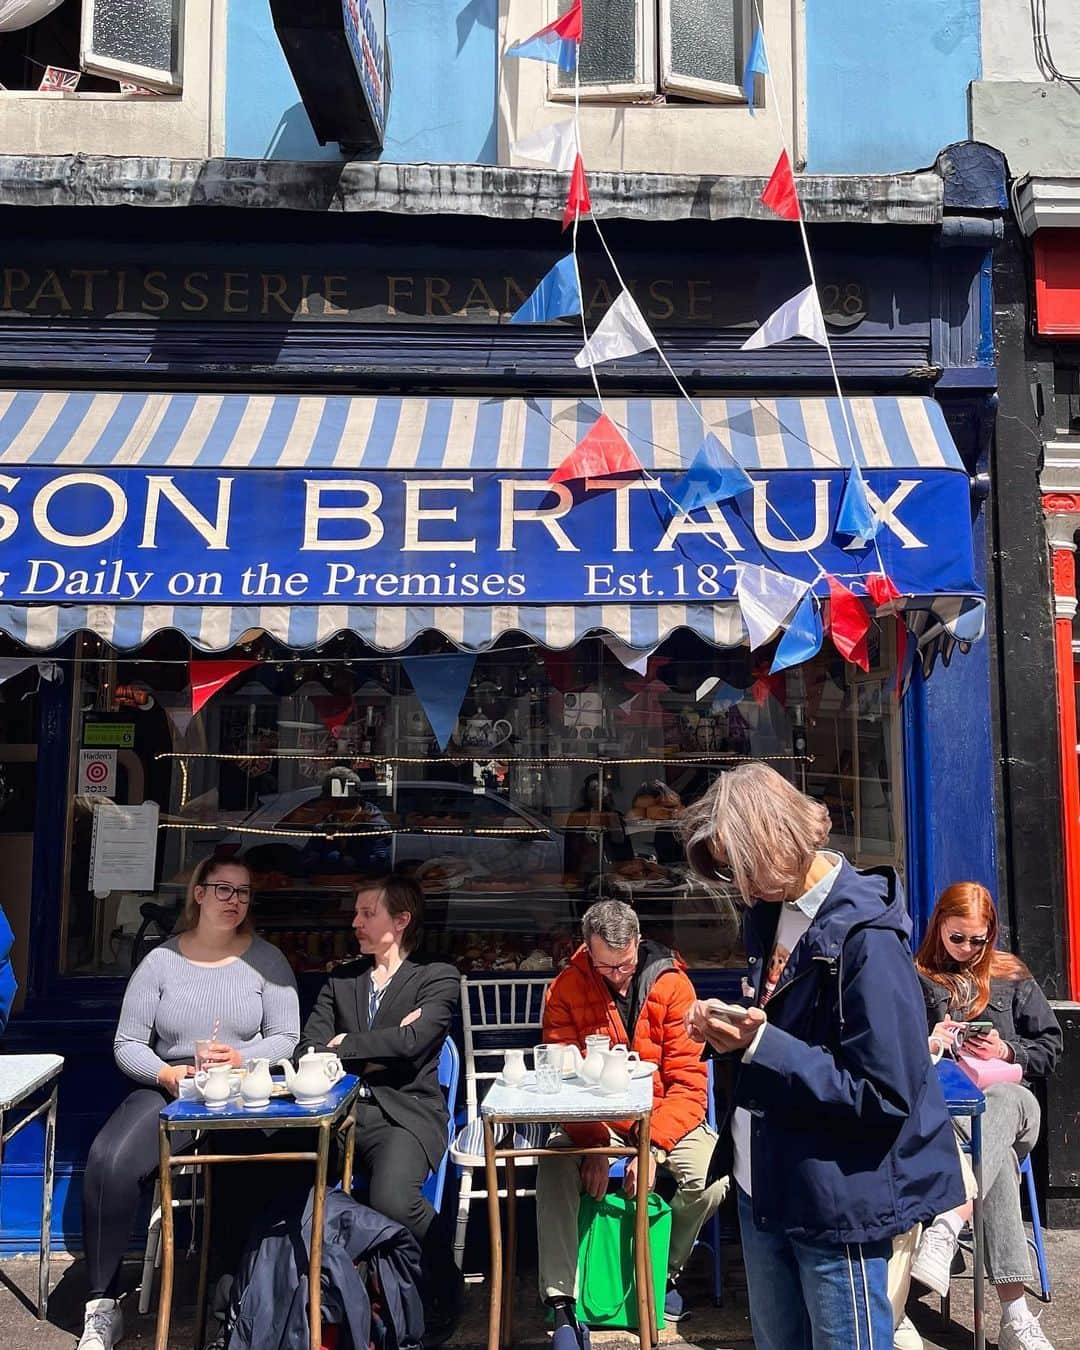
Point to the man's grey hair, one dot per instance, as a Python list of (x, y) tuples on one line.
[(612, 922)]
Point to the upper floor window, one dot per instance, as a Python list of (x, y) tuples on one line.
[(137, 42), (659, 49)]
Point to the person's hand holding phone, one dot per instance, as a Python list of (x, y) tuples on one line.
[(987, 1045), (944, 1035), (727, 1027)]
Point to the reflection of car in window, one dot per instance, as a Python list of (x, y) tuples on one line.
[(482, 834)]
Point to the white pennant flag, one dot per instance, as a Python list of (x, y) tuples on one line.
[(621, 332), (554, 146), (800, 316), (766, 598), (626, 656)]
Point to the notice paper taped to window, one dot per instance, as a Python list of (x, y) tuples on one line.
[(123, 848)]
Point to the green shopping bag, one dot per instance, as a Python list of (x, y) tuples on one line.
[(607, 1294)]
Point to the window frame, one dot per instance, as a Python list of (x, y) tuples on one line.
[(692, 86), (165, 81), (645, 47), (653, 46)]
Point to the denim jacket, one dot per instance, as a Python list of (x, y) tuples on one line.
[(1021, 1017)]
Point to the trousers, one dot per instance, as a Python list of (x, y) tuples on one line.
[(815, 1295), (123, 1164), (558, 1189), (1010, 1130)]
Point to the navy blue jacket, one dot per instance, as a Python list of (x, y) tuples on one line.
[(850, 1139)]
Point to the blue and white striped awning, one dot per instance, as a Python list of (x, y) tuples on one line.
[(278, 431), (341, 431)]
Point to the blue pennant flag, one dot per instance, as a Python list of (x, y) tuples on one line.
[(756, 64), (550, 47), (556, 296), (804, 636), (714, 476), (726, 697), (440, 683), (856, 517)]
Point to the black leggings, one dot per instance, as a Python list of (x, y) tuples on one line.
[(122, 1165)]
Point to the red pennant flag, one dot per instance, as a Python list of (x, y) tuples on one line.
[(569, 26), (333, 710), (207, 677), (603, 450), (578, 202), (780, 194), (849, 624), (766, 685), (883, 592)]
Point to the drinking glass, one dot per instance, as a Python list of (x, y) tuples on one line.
[(202, 1054), (548, 1077)]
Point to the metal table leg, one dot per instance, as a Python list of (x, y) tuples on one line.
[(318, 1206), (45, 1245), (204, 1253), (495, 1228), (167, 1244), (646, 1304), (977, 1230), (510, 1260)]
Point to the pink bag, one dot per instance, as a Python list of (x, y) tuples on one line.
[(985, 1073)]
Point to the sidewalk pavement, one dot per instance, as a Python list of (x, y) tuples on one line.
[(708, 1328)]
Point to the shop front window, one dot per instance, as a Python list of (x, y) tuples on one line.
[(563, 784)]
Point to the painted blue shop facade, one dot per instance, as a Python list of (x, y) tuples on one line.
[(374, 348)]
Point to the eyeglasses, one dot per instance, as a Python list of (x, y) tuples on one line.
[(627, 968), (959, 940), (225, 892)]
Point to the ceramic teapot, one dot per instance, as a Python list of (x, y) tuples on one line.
[(596, 1047), (313, 1077), (257, 1085), (481, 733), (214, 1085)]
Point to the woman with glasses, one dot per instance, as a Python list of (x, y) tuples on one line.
[(967, 980), (213, 981)]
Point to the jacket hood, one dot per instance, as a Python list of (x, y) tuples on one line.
[(870, 899)]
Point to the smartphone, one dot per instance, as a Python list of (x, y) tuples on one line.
[(972, 1029), (719, 1011)]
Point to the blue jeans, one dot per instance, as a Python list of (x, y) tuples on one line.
[(814, 1295)]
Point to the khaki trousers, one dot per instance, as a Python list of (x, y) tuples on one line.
[(558, 1190), (906, 1245)]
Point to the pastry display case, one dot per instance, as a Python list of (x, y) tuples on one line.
[(562, 783)]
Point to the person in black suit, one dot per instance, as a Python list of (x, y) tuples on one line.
[(387, 1016)]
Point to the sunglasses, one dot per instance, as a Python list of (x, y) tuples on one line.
[(958, 940)]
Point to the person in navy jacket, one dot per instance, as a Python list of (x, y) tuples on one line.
[(839, 1139)]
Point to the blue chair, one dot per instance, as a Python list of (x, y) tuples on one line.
[(712, 1243), (1035, 1242), (449, 1077)]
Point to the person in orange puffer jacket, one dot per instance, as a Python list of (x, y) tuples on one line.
[(637, 993)]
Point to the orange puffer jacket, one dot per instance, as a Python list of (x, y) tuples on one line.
[(579, 1004)]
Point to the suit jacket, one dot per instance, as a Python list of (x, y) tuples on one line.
[(399, 1064)]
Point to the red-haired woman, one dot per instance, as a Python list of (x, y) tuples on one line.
[(966, 979)]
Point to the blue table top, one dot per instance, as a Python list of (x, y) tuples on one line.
[(962, 1097), (282, 1111)]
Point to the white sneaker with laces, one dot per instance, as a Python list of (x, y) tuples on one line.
[(103, 1325), (905, 1337), (934, 1258), (1026, 1335)]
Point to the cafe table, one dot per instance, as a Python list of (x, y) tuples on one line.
[(574, 1103), (194, 1117), (964, 1099)]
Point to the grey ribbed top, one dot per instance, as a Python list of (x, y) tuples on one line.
[(171, 1002)]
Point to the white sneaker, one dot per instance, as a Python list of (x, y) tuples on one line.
[(1027, 1335), (905, 1337), (934, 1258), (103, 1326)]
